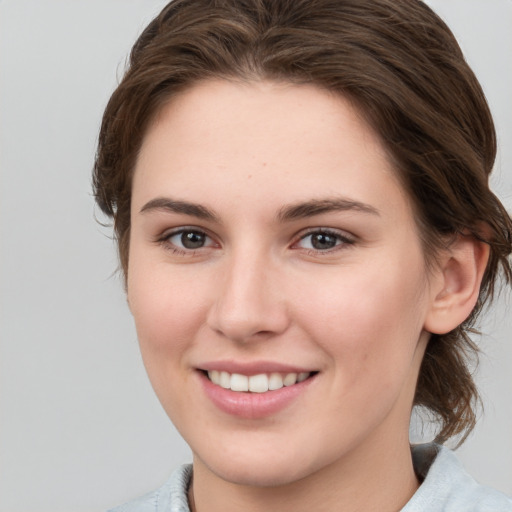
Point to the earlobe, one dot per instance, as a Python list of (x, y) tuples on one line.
[(456, 290)]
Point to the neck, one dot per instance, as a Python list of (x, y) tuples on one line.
[(381, 479)]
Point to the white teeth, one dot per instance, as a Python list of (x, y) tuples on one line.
[(225, 380), (214, 377), (302, 376), (275, 381), (239, 382), (290, 379), (260, 383)]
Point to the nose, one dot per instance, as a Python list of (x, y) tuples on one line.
[(249, 303)]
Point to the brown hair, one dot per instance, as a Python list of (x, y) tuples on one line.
[(400, 64)]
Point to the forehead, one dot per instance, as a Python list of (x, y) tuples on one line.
[(282, 110), (261, 141)]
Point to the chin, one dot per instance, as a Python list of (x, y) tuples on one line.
[(268, 475), (260, 467)]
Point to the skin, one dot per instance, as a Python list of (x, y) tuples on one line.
[(358, 312)]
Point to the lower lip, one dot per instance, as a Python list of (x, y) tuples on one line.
[(253, 405)]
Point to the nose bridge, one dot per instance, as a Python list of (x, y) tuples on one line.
[(248, 301)]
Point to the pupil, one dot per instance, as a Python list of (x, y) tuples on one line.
[(192, 239), (323, 241)]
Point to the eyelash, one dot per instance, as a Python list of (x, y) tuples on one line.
[(342, 241), (168, 245)]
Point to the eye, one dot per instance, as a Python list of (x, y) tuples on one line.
[(187, 239), (323, 240)]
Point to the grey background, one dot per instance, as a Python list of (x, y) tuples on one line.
[(80, 428)]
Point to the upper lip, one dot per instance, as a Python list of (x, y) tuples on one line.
[(252, 368)]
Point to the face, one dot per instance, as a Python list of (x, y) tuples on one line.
[(276, 279)]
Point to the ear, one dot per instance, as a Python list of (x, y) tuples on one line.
[(456, 286)]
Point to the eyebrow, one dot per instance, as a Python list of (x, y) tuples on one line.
[(319, 206), (288, 213), (175, 206)]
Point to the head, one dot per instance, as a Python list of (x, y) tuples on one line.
[(399, 67)]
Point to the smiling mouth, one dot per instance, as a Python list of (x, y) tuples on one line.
[(260, 383)]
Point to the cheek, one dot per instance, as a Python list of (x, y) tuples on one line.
[(167, 314), (168, 309), (368, 322)]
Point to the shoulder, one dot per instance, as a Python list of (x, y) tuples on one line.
[(170, 497), (448, 488)]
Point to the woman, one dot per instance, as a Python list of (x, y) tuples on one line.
[(300, 197)]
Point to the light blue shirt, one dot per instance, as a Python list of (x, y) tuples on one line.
[(446, 487)]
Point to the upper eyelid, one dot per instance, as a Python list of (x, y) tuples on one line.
[(180, 229), (302, 232), (331, 231)]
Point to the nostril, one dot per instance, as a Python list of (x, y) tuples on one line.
[(258, 325)]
